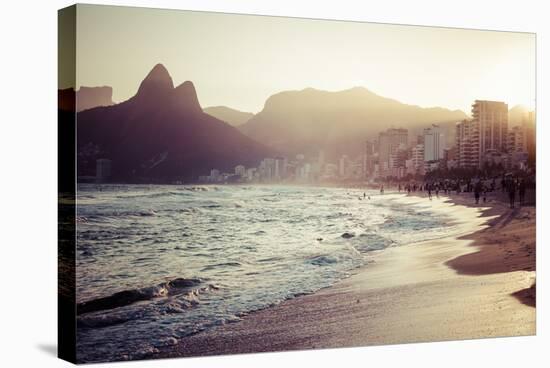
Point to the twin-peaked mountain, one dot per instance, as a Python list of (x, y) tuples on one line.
[(161, 134), (338, 122)]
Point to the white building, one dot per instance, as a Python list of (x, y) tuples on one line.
[(492, 118), (280, 169), (342, 166), (103, 170), (214, 174), (252, 174), (389, 142), (240, 170), (467, 144), (321, 159), (417, 158), (434, 143)]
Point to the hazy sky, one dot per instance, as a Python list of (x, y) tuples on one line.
[(240, 60)]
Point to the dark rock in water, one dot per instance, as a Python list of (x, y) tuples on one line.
[(182, 283), (116, 300), (128, 297), (347, 235)]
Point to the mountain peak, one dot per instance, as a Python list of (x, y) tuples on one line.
[(159, 71), (156, 81), (185, 96)]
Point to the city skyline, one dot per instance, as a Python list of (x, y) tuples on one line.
[(485, 65), (486, 141)]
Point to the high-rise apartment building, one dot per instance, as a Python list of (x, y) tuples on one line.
[(492, 118), (434, 143), (388, 143), (368, 158), (467, 144)]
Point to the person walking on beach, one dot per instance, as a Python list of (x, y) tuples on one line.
[(382, 189), (522, 189), (512, 192), (477, 191), (429, 188)]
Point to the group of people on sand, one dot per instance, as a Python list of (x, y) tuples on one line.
[(513, 185), (479, 186), (509, 185), (430, 188)]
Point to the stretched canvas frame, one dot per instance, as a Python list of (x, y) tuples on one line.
[(332, 216)]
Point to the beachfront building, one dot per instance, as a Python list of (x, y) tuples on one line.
[(467, 144), (434, 143), (330, 171), (267, 169), (449, 158), (492, 118), (342, 165), (240, 171), (495, 158), (355, 169), (516, 140), (389, 142), (417, 159), (252, 174), (303, 172), (321, 159), (103, 170), (280, 169), (482, 139), (214, 174), (529, 129), (517, 144), (397, 163), (369, 158)]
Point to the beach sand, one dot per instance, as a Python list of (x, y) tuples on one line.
[(474, 285)]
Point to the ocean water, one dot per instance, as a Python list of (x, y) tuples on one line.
[(158, 263)]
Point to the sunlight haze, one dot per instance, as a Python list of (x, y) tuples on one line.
[(240, 60)]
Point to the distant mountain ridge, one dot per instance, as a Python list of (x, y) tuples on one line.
[(161, 134), (517, 114), (85, 97), (338, 122), (229, 115)]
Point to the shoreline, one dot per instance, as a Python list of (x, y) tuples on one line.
[(434, 290)]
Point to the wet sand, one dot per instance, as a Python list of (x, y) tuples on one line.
[(473, 285)]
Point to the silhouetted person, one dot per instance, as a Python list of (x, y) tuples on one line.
[(382, 189), (522, 189), (477, 191), (512, 192)]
